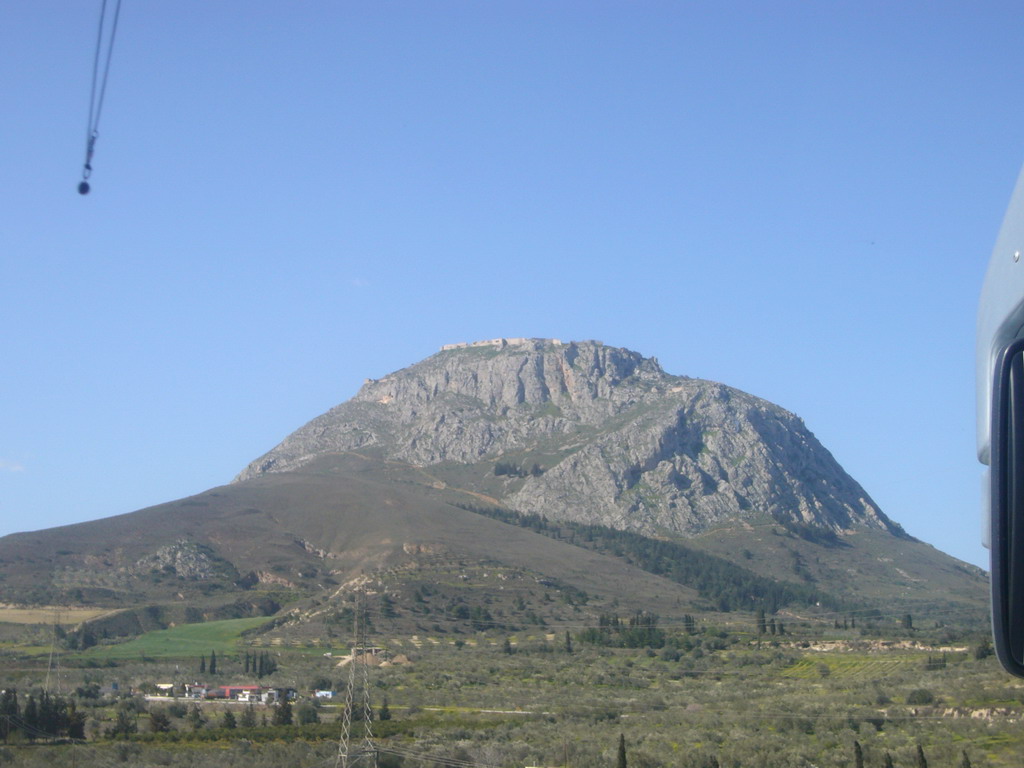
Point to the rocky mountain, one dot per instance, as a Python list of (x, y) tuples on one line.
[(586, 432), (537, 481)]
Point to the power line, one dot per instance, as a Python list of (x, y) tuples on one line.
[(98, 89)]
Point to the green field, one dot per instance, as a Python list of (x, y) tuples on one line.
[(187, 640), (853, 667)]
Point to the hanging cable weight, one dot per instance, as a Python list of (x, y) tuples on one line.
[(104, 50)]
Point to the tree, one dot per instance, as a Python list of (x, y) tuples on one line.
[(568, 642), (265, 665), (761, 626), (507, 647), (76, 722), (228, 720), (384, 713), (124, 724), (921, 761), (202, 665), (966, 762), (195, 717), (51, 713), (8, 709), (858, 755), (30, 715), (159, 722), (621, 762), (920, 696), (908, 621), (307, 714), (321, 684), (888, 761), (213, 662), (248, 718), (283, 712), (983, 650)]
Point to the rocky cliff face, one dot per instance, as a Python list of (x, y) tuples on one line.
[(587, 432)]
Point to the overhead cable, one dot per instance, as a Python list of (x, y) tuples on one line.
[(98, 90)]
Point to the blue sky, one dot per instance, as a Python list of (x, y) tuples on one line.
[(796, 199)]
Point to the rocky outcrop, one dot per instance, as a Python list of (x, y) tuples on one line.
[(593, 433), (184, 559)]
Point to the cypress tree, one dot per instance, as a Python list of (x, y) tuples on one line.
[(213, 662), (283, 712), (858, 755), (921, 761), (8, 709), (30, 715), (888, 761), (248, 718), (76, 722), (51, 714), (622, 751), (195, 717), (202, 665)]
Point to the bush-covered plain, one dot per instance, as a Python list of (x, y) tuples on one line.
[(716, 695)]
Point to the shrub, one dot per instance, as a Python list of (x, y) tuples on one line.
[(920, 696)]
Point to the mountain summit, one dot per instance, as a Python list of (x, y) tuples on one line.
[(590, 433), (489, 469)]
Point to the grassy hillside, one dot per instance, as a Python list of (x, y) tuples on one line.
[(188, 641), (298, 544), (867, 566)]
